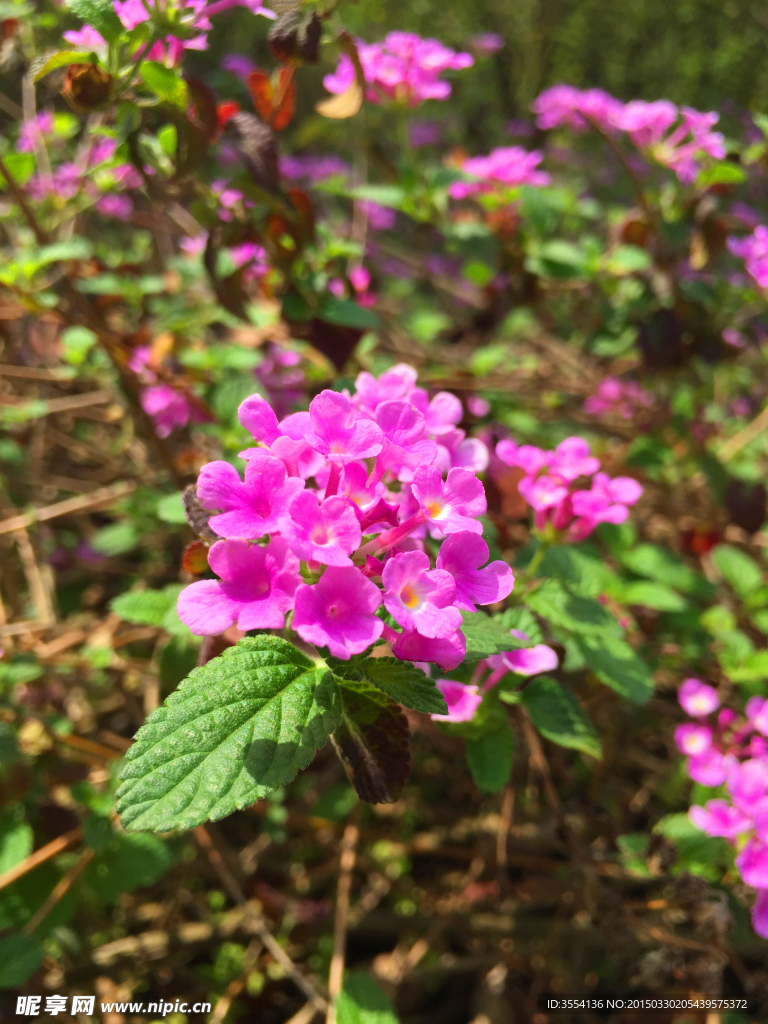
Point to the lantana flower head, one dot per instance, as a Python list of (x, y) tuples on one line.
[(504, 168)]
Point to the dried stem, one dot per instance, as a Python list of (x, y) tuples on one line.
[(348, 850), (60, 890), (52, 849)]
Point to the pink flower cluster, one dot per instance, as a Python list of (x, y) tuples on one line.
[(330, 520), (403, 68), (549, 479), (170, 409), (754, 251), (621, 398), (503, 168), (676, 137), (463, 699), (733, 753), (68, 179)]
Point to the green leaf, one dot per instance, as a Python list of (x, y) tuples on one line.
[(165, 83), (664, 566), (559, 717), (400, 680), (581, 615), (490, 759), (101, 15), (383, 195), (20, 957), (615, 663), (361, 1001), (15, 844), (753, 669), (584, 573), (177, 659), (21, 167), (348, 314), (145, 607), (235, 730), (652, 595), (170, 509), (62, 59), (116, 539), (742, 572), (130, 861), (373, 742), (487, 635)]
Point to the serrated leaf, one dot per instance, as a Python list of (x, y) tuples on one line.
[(487, 635), (400, 680), (742, 572), (60, 60), (373, 742), (20, 957), (652, 595), (559, 717), (235, 730), (490, 759), (615, 663), (585, 574), (361, 1001), (581, 615), (101, 15)]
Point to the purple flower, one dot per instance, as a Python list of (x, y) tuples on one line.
[(255, 591), (757, 714), (449, 506), (760, 913), (380, 218), (31, 132), (419, 598), (747, 783), (697, 699), (754, 251), (710, 768), (543, 492), (326, 532), (238, 64), (462, 554), (462, 701), (693, 739), (530, 661), (446, 652), (397, 382), (576, 109), (259, 419), (752, 863), (314, 168), (118, 206), (719, 818), (252, 508), (338, 432), (339, 612)]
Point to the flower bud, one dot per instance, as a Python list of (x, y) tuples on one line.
[(87, 86)]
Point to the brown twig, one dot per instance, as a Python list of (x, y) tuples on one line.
[(82, 503), (69, 402), (505, 823), (538, 760), (52, 849), (348, 849), (236, 893), (33, 373), (60, 890), (744, 437)]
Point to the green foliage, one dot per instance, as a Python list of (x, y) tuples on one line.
[(165, 83), (361, 1001), (100, 14), (742, 572), (487, 635), (401, 680), (489, 757), (20, 957), (559, 717), (15, 843), (615, 663), (153, 608), (581, 615), (235, 730)]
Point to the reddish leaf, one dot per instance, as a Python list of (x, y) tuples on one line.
[(195, 558), (226, 110), (260, 89), (285, 99)]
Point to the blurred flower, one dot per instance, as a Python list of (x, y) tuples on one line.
[(507, 167)]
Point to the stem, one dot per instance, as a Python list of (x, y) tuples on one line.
[(387, 540), (389, 634), (333, 480), (535, 562), (28, 213)]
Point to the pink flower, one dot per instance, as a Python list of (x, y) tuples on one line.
[(86, 38), (326, 532), (419, 598), (339, 612), (397, 382), (752, 863), (238, 64), (527, 456), (118, 206), (441, 414), (258, 417), (446, 652), (504, 168), (487, 43), (760, 913), (757, 714), (571, 459), (576, 109), (252, 508), (747, 783), (754, 251), (710, 768), (478, 406), (131, 12), (255, 590), (697, 699), (693, 739), (543, 492), (167, 407), (403, 68), (719, 818), (451, 506), (405, 443), (338, 432), (462, 554), (33, 130), (380, 218), (462, 701), (530, 661)]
